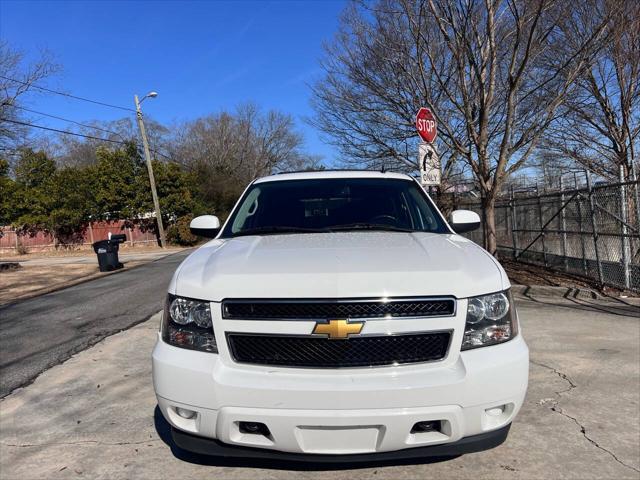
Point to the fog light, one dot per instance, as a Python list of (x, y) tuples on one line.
[(254, 428), (495, 411), (423, 427), (184, 413)]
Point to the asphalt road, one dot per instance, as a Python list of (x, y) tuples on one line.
[(44, 331)]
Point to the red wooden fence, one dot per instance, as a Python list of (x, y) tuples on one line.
[(10, 240)]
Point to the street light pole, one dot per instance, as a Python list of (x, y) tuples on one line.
[(147, 156)]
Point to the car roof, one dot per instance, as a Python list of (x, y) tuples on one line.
[(323, 174)]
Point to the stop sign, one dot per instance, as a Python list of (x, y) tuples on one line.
[(426, 125)]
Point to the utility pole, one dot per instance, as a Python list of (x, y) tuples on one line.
[(147, 156)]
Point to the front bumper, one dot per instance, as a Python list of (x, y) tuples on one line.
[(342, 412), (208, 446)]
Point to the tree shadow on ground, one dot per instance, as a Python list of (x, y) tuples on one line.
[(164, 432), (611, 306)]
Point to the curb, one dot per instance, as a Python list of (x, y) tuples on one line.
[(9, 265), (569, 292), (78, 281), (74, 353), (70, 283)]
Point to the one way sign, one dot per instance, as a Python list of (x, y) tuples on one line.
[(430, 173)]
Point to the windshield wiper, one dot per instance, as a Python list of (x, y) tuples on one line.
[(273, 230), (277, 229), (369, 226)]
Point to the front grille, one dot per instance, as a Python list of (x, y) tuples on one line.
[(317, 352), (327, 309)]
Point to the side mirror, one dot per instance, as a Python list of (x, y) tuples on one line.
[(464, 221), (205, 226)]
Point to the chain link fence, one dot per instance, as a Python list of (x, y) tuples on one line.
[(591, 230)]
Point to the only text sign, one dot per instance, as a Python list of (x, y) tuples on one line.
[(430, 173)]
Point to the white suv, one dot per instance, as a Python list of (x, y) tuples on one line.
[(336, 315)]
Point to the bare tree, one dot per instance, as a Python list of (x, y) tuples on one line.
[(495, 73), (245, 144), (599, 127), (16, 79), (75, 150), (373, 85), (227, 150)]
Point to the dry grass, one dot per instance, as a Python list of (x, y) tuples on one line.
[(12, 255), (32, 280), (28, 280)]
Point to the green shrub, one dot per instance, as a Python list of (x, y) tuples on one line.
[(179, 233)]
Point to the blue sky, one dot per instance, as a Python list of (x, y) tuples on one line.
[(200, 56)]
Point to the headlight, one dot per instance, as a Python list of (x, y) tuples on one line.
[(491, 319), (187, 323)]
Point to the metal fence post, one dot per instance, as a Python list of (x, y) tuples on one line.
[(634, 176), (626, 254), (592, 211), (514, 224), (544, 249), (583, 249), (484, 218), (505, 209), (563, 220)]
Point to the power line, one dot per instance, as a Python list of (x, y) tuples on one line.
[(158, 152), (91, 137), (66, 132), (68, 120), (72, 121), (67, 94)]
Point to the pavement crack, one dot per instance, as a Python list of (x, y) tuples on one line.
[(592, 441), (563, 376), (80, 442), (555, 407)]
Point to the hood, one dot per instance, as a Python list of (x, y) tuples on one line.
[(338, 265)]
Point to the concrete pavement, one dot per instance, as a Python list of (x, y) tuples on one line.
[(38, 333), (95, 417)]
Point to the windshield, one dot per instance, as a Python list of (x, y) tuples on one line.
[(334, 204)]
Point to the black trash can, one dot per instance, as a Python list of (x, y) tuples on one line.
[(107, 251)]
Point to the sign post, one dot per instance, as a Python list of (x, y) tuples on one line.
[(427, 126)]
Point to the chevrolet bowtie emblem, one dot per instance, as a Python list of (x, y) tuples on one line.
[(338, 328)]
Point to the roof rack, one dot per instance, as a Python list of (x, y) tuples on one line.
[(333, 170)]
